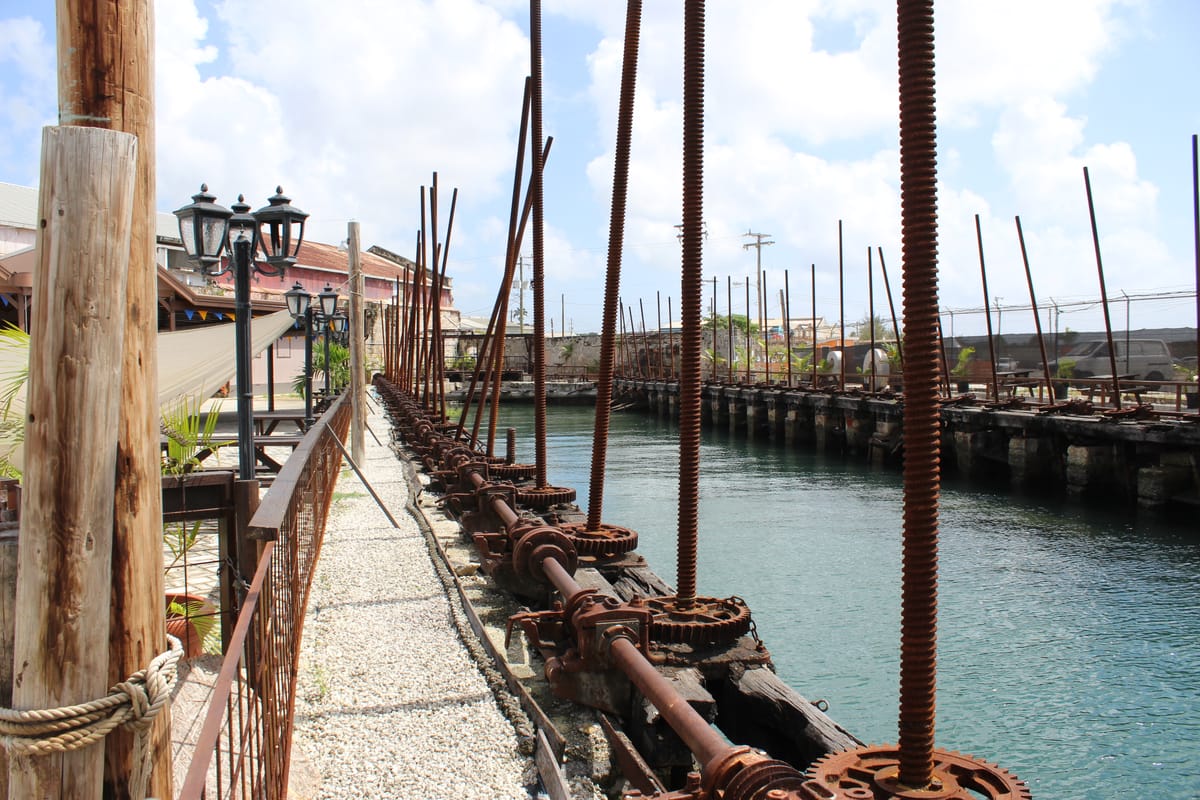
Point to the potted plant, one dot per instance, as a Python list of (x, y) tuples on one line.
[(193, 621), (1065, 370), (190, 437), (960, 369)]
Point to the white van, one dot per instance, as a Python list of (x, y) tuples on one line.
[(1144, 359)]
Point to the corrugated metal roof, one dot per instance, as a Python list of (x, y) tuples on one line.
[(18, 206)]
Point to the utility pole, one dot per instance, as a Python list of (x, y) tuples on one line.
[(521, 290), (758, 244)]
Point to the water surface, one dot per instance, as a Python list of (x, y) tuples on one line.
[(1069, 641)]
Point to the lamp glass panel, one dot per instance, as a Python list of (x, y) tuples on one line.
[(187, 232), (213, 230)]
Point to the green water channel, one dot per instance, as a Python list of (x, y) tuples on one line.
[(1069, 640)]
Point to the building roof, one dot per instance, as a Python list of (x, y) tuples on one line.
[(318, 255), (19, 208)]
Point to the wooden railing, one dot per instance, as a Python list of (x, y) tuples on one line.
[(245, 741)]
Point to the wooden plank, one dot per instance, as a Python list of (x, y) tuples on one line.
[(550, 770), (633, 766), (61, 642), (759, 709), (640, 582)]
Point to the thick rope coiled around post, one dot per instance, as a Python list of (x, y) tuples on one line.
[(133, 703)]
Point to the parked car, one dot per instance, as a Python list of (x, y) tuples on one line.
[(1144, 359)]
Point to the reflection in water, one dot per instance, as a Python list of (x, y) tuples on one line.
[(1069, 643)]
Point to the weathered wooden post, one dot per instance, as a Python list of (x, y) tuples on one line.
[(106, 80), (60, 646), (357, 384)]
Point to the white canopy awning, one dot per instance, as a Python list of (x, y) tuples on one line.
[(192, 364)]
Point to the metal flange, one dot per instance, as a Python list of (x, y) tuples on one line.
[(539, 544)]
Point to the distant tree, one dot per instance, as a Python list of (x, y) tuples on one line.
[(740, 322), (883, 329)]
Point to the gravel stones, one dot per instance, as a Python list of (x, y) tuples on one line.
[(390, 703)]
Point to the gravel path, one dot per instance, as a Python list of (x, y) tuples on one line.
[(389, 703)]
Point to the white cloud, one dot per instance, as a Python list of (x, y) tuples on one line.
[(801, 131), (26, 81), (351, 106)]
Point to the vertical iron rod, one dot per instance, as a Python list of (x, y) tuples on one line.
[(987, 311), (814, 322), (844, 357), (922, 425), (895, 325), (1112, 351), (1037, 319), (871, 312), (787, 322), (766, 329), (690, 286)]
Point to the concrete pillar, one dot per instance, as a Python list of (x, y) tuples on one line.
[(756, 415), (884, 441), (1089, 467), (791, 425), (673, 406), (827, 428), (859, 429), (1032, 460), (1156, 485), (736, 408), (776, 413), (968, 452)]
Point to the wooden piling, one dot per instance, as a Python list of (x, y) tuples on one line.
[(85, 209), (106, 80), (8, 603), (357, 375)]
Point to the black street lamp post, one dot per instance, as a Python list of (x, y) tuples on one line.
[(328, 298), (206, 229), (300, 306)]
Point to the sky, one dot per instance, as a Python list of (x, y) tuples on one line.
[(352, 106)]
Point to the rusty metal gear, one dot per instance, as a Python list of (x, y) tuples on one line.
[(603, 541), (703, 621), (513, 472), (872, 773), (545, 496)]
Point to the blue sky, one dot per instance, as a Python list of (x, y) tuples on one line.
[(352, 105)]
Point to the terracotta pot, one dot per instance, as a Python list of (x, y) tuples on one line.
[(190, 630)]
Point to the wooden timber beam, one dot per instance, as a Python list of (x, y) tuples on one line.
[(106, 80)]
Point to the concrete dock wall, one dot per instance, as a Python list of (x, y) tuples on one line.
[(1148, 463)]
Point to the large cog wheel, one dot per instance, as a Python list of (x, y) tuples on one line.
[(871, 773), (545, 496), (605, 542), (704, 621)]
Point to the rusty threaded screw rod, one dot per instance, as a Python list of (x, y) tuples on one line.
[(612, 281), (918, 199), (689, 384), (539, 270)]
